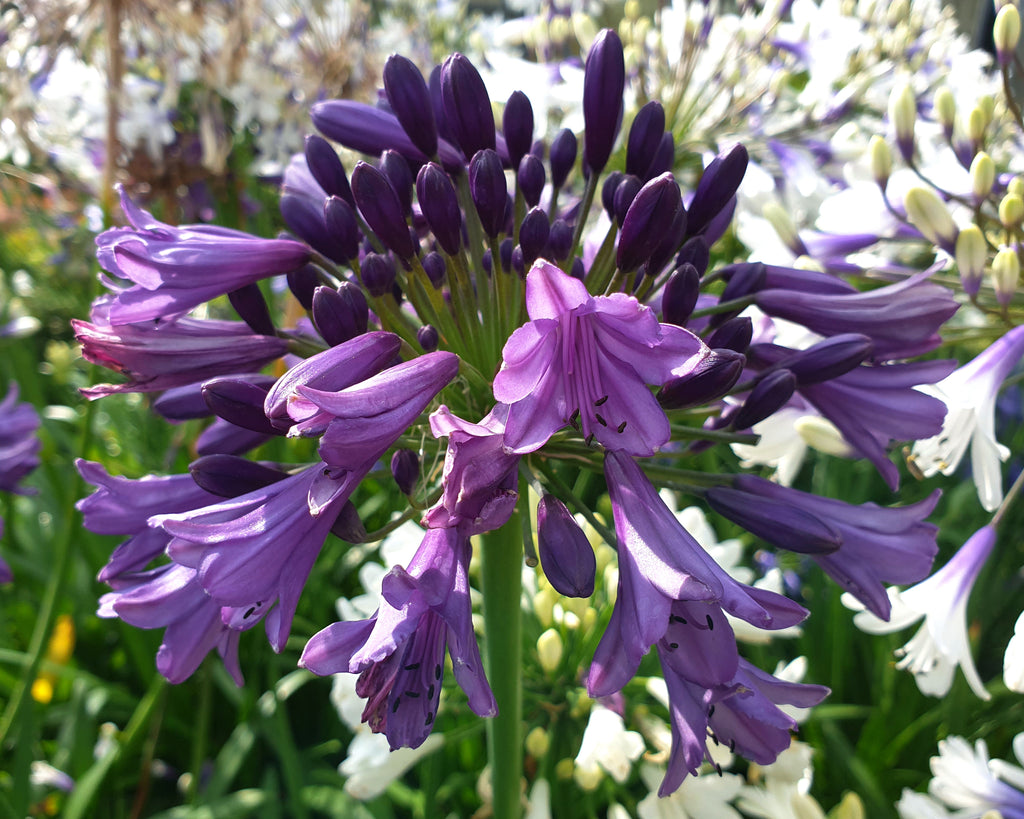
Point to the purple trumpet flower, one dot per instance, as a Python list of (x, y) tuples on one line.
[(170, 269), (901, 319), (171, 354), (121, 506), (877, 545), (659, 564), (399, 652), (480, 478), (19, 445), (586, 361), (170, 598)]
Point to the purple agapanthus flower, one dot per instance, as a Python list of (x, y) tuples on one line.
[(586, 361), (163, 271), (157, 357), (19, 451), (399, 652)]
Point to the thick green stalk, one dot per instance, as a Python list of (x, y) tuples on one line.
[(502, 587)]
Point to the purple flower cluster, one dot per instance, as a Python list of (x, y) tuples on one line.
[(453, 269)]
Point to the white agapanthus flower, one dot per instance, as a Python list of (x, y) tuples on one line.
[(783, 792), (607, 749), (1013, 661), (941, 644), (699, 797)]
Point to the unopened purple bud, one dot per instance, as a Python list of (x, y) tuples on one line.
[(743, 279), (562, 156), (405, 469), (531, 178), (664, 158), (409, 98), (625, 193), (382, 209), (829, 358), (565, 553), (733, 334), (303, 282), (578, 270), (428, 338), (444, 129), (559, 240), (183, 403), (711, 379), (611, 182), (305, 218), (769, 395), (230, 476), (341, 314), (396, 169), (252, 308), (518, 262), (348, 526), (718, 184), (466, 105), (489, 190), (240, 401), (604, 80), (517, 126), (378, 274), (644, 138), (505, 252), (669, 243), (533, 234), (649, 218), (325, 166), (435, 267), (695, 251), (343, 226), (440, 206), (680, 294)]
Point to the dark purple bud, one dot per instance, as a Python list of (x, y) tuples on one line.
[(440, 206), (467, 107), (252, 308), (664, 159), (487, 262), (565, 553), (239, 400), (435, 267), (604, 79), (646, 222), (559, 240), (625, 193), (829, 358), (578, 271), (538, 149), (670, 241), (444, 129), (533, 234), (343, 227), (505, 253), (562, 156), (405, 469), (680, 294), (531, 178), (780, 523), (396, 169), (518, 261), (769, 395), (644, 138), (348, 526), (305, 218), (489, 190), (182, 403), (428, 338), (517, 126), (378, 274), (303, 282), (695, 251), (734, 334), (382, 209), (743, 279), (230, 475), (326, 168), (409, 98), (718, 184), (611, 182), (711, 379), (341, 314)]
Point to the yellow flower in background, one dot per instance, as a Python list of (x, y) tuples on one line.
[(59, 650)]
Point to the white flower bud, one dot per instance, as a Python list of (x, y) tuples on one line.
[(549, 650), (1011, 211), (537, 743), (1005, 275), (983, 175), (903, 115), (779, 219), (929, 215), (976, 126), (881, 160), (1006, 33), (971, 254), (1016, 186), (945, 108)]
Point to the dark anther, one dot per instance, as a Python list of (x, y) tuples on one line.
[(412, 666), (413, 694), (437, 672), (600, 420), (621, 427), (673, 646), (430, 692), (574, 419), (589, 439), (600, 400), (711, 623), (248, 614), (395, 706)]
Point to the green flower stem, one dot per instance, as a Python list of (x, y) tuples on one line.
[(502, 552)]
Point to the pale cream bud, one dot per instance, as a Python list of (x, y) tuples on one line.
[(1011, 211), (881, 160), (537, 743), (945, 107), (1006, 33), (821, 434), (971, 254), (850, 807), (903, 115), (983, 175), (779, 219), (564, 768), (549, 650), (1016, 187), (976, 126), (929, 215), (987, 104), (544, 605), (1005, 275)]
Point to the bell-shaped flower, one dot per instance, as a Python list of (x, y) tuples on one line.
[(399, 652), (941, 644), (969, 394), (587, 360), (170, 270)]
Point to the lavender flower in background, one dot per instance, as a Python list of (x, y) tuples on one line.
[(19, 451)]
